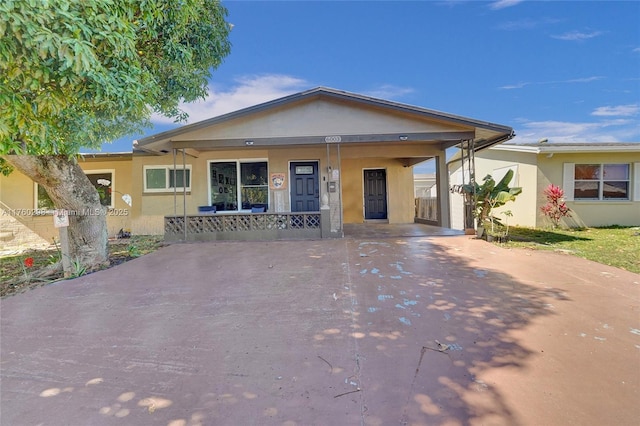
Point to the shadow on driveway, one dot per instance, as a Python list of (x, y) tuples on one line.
[(417, 331)]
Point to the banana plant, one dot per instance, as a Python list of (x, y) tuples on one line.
[(490, 195)]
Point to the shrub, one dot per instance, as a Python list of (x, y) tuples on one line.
[(555, 209)]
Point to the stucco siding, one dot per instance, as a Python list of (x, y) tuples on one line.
[(20, 225), (496, 163), (525, 176), (400, 204), (153, 206), (591, 213), (318, 118), (536, 171), (120, 216)]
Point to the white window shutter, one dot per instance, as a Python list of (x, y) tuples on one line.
[(636, 182), (568, 177)]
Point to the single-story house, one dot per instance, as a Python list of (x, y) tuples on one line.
[(26, 215), (299, 166), (601, 181)]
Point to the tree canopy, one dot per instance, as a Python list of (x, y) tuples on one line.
[(79, 73)]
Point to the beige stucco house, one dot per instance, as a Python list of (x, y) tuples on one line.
[(601, 181), (26, 216), (299, 166)]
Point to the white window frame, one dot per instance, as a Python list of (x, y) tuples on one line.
[(86, 172), (569, 182), (113, 182), (238, 161), (36, 186), (167, 188)]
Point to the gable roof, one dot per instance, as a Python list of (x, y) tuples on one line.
[(484, 133)]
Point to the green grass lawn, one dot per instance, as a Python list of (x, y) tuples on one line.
[(614, 246)]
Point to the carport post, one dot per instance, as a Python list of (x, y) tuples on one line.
[(175, 194), (443, 190), (184, 189), (469, 205)]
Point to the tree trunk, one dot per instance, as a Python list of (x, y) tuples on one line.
[(70, 189)]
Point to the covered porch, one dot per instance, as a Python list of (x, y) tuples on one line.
[(287, 226), (317, 162)]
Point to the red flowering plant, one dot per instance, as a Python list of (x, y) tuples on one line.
[(556, 208), (26, 264)]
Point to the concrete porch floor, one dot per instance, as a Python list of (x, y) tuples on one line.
[(375, 331), (386, 230)]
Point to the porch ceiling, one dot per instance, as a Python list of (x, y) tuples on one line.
[(322, 116)]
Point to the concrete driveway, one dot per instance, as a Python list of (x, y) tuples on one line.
[(418, 330)]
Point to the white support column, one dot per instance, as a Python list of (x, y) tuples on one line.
[(442, 177)]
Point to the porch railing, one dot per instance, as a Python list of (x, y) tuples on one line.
[(243, 226)]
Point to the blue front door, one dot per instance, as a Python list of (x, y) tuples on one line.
[(305, 191), (375, 194)]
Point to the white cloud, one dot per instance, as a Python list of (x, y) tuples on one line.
[(617, 111), (573, 80), (526, 24), (452, 3), (389, 91), (253, 90), (577, 35), (620, 130), (523, 24), (514, 86), (248, 91), (501, 4), (580, 80), (636, 50)]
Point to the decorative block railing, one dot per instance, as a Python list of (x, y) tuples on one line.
[(243, 226)]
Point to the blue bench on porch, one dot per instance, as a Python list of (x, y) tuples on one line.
[(207, 209)]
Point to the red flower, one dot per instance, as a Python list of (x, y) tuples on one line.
[(28, 262)]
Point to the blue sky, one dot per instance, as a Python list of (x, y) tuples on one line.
[(566, 71)]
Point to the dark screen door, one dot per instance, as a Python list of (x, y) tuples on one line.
[(305, 192), (375, 194)]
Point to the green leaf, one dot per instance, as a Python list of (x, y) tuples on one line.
[(85, 57)]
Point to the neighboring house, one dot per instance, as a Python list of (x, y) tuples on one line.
[(601, 181), (424, 185), (25, 208), (426, 197), (312, 162)]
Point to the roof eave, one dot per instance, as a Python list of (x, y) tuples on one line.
[(487, 143), (568, 148), (589, 149)]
